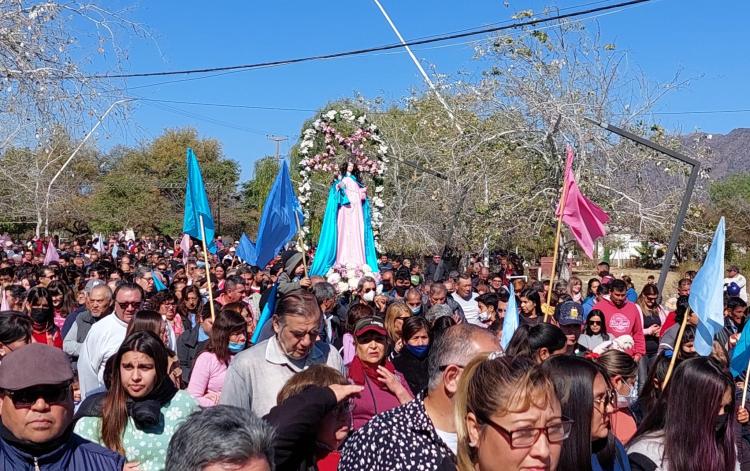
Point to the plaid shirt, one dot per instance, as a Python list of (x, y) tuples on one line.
[(403, 438)]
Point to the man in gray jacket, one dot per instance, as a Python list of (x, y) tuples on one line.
[(256, 375), (98, 305)]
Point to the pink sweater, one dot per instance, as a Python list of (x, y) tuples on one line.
[(207, 376), (625, 320)]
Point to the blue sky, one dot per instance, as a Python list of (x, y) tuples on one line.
[(662, 37)]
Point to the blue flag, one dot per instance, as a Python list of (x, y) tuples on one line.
[(158, 285), (115, 250), (246, 250), (196, 204), (740, 355), (277, 224), (265, 314), (510, 321), (707, 294)]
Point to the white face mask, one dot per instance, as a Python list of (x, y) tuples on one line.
[(369, 296), (624, 401), (484, 316)]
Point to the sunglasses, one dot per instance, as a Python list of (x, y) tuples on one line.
[(49, 394), (134, 305), (595, 322)]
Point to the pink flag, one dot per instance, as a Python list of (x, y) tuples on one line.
[(584, 218), (52, 255), (185, 246)]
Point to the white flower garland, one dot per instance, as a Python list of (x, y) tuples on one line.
[(325, 160)]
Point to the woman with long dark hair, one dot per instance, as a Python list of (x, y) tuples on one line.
[(588, 399), (652, 387), (692, 426), (531, 307), (189, 307), (595, 331), (537, 342), (38, 306), (151, 321), (623, 372), (411, 361), (591, 289), (62, 302), (228, 337), (142, 408)]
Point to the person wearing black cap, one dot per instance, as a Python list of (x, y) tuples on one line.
[(36, 407)]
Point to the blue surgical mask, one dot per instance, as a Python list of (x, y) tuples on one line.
[(419, 351), (415, 310), (236, 347)]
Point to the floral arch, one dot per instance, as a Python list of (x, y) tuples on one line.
[(341, 135)]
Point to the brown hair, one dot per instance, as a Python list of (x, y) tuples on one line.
[(114, 410), (356, 313), (316, 375), (397, 309), (227, 323), (297, 303), (497, 386), (146, 320)]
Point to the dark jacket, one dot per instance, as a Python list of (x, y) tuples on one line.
[(296, 421), (413, 369), (76, 453), (188, 349)]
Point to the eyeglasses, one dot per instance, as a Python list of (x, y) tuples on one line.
[(609, 397), (134, 305), (49, 394), (526, 437)]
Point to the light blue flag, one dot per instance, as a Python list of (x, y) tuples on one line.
[(707, 294), (196, 204), (510, 321), (740, 355), (265, 314), (158, 285), (278, 224), (246, 250), (115, 250)]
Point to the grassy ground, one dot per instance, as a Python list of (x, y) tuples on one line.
[(638, 275)]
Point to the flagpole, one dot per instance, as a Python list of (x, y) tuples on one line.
[(561, 207), (208, 270), (302, 246), (676, 350), (744, 388)]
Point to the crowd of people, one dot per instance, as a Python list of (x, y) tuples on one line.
[(115, 357)]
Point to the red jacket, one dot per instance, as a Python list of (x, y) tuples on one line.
[(625, 320)]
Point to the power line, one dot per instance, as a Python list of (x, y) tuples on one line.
[(356, 52)]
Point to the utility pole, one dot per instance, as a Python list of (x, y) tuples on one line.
[(278, 140)]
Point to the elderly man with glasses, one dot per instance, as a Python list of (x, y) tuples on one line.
[(105, 337), (36, 400)]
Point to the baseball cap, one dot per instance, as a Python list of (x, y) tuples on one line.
[(369, 324), (569, 313), (35, 364), (733, 289)]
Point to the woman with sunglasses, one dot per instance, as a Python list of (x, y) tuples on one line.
[(384, 387), (595, 331), (692, 427), (507, 416), (588, 399), (395, 316), (142, 408)]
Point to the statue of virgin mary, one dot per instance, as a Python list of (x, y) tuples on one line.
[(346, 237)]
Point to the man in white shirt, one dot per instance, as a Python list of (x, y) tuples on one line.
[(734, 276), (106, 336), (467, 299)]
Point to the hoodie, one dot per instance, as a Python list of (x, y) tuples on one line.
[(287, 281), (625, 320)]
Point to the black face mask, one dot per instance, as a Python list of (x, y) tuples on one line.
[(721, 424), (41, 315), (401, 290), (387, 285)]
